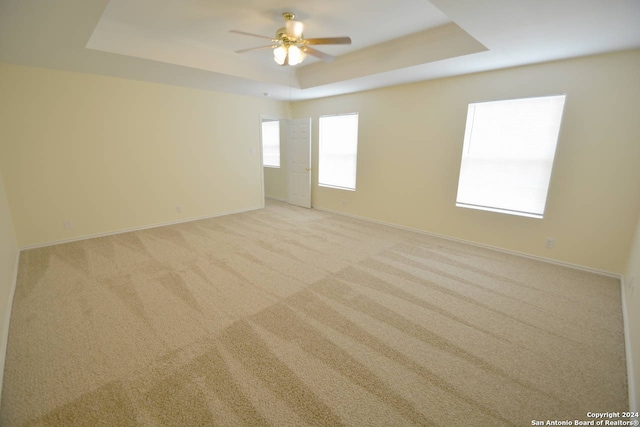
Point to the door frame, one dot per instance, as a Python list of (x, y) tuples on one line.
[(284, 154)]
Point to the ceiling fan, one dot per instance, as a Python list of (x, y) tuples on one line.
[(290, 47)]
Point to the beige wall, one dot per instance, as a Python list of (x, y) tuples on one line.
[(275, 183), (8, 257), (632, 308), (410, 142), (111, 154)]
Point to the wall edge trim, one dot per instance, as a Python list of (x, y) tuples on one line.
[(631, 388), (138, 228), (4, 339), (481, 245)]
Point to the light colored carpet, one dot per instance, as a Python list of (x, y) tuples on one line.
[(288, 316)]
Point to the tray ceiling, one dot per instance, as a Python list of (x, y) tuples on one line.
[(188, 42)]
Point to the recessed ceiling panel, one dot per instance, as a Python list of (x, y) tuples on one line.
[(187, 42), (195, 33)]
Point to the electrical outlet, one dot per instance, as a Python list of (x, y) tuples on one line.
[(67, 224), (344, 203), (550, 243), (179, 208)]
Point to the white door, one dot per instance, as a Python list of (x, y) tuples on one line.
[(299, 162)]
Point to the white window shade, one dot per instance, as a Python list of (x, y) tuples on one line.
[(271, 143), (337, 158), (508, 153)]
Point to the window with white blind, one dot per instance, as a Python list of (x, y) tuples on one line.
[(271, 143), (338, 151), (508, 153)]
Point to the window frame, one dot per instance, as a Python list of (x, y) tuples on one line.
[(354, 164), (515, 167)]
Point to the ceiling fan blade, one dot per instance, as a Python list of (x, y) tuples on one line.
[(294, 29), (251, 34), (329, 40), (253, 48), (323, 56)]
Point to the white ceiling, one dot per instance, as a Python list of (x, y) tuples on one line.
[(187, 42)]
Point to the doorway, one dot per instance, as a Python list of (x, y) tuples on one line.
[(287, 161), (299, 162)]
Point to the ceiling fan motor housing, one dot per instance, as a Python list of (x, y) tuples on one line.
[(281, 34)]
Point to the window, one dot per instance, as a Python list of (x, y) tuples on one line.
[(508, 154), (338, 151), (271, 143)]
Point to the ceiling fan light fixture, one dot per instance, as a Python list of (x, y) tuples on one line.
[(289, 45), (294, 29), (280, 54), (296, 55)]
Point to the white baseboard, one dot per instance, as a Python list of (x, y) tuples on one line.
[(633, 402), (7, 318), (480, 245), (277, 198), (143, 227)]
